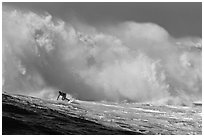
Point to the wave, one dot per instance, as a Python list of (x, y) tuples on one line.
[(137, 62)]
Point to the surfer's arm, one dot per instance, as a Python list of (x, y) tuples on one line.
[(58, 97)]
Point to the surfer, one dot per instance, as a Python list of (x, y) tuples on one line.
[(63, 96)]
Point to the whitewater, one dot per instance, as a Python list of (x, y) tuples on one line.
[(126, 61)]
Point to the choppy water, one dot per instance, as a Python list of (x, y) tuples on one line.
[(29, 115)]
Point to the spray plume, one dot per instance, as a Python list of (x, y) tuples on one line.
[(138, 62)]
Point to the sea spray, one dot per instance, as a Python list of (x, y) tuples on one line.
[(138, 62)]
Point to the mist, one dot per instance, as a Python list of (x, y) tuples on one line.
[(136, 62)]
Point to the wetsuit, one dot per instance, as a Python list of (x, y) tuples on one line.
[(63, 96)]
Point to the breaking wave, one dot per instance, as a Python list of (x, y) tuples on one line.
[(138, 62)]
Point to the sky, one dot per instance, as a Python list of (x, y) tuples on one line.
[(179, 19)]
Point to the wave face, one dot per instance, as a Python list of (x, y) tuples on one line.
[(138, 62), (26, 115)]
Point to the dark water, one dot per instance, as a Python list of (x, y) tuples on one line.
[(28, 115)]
